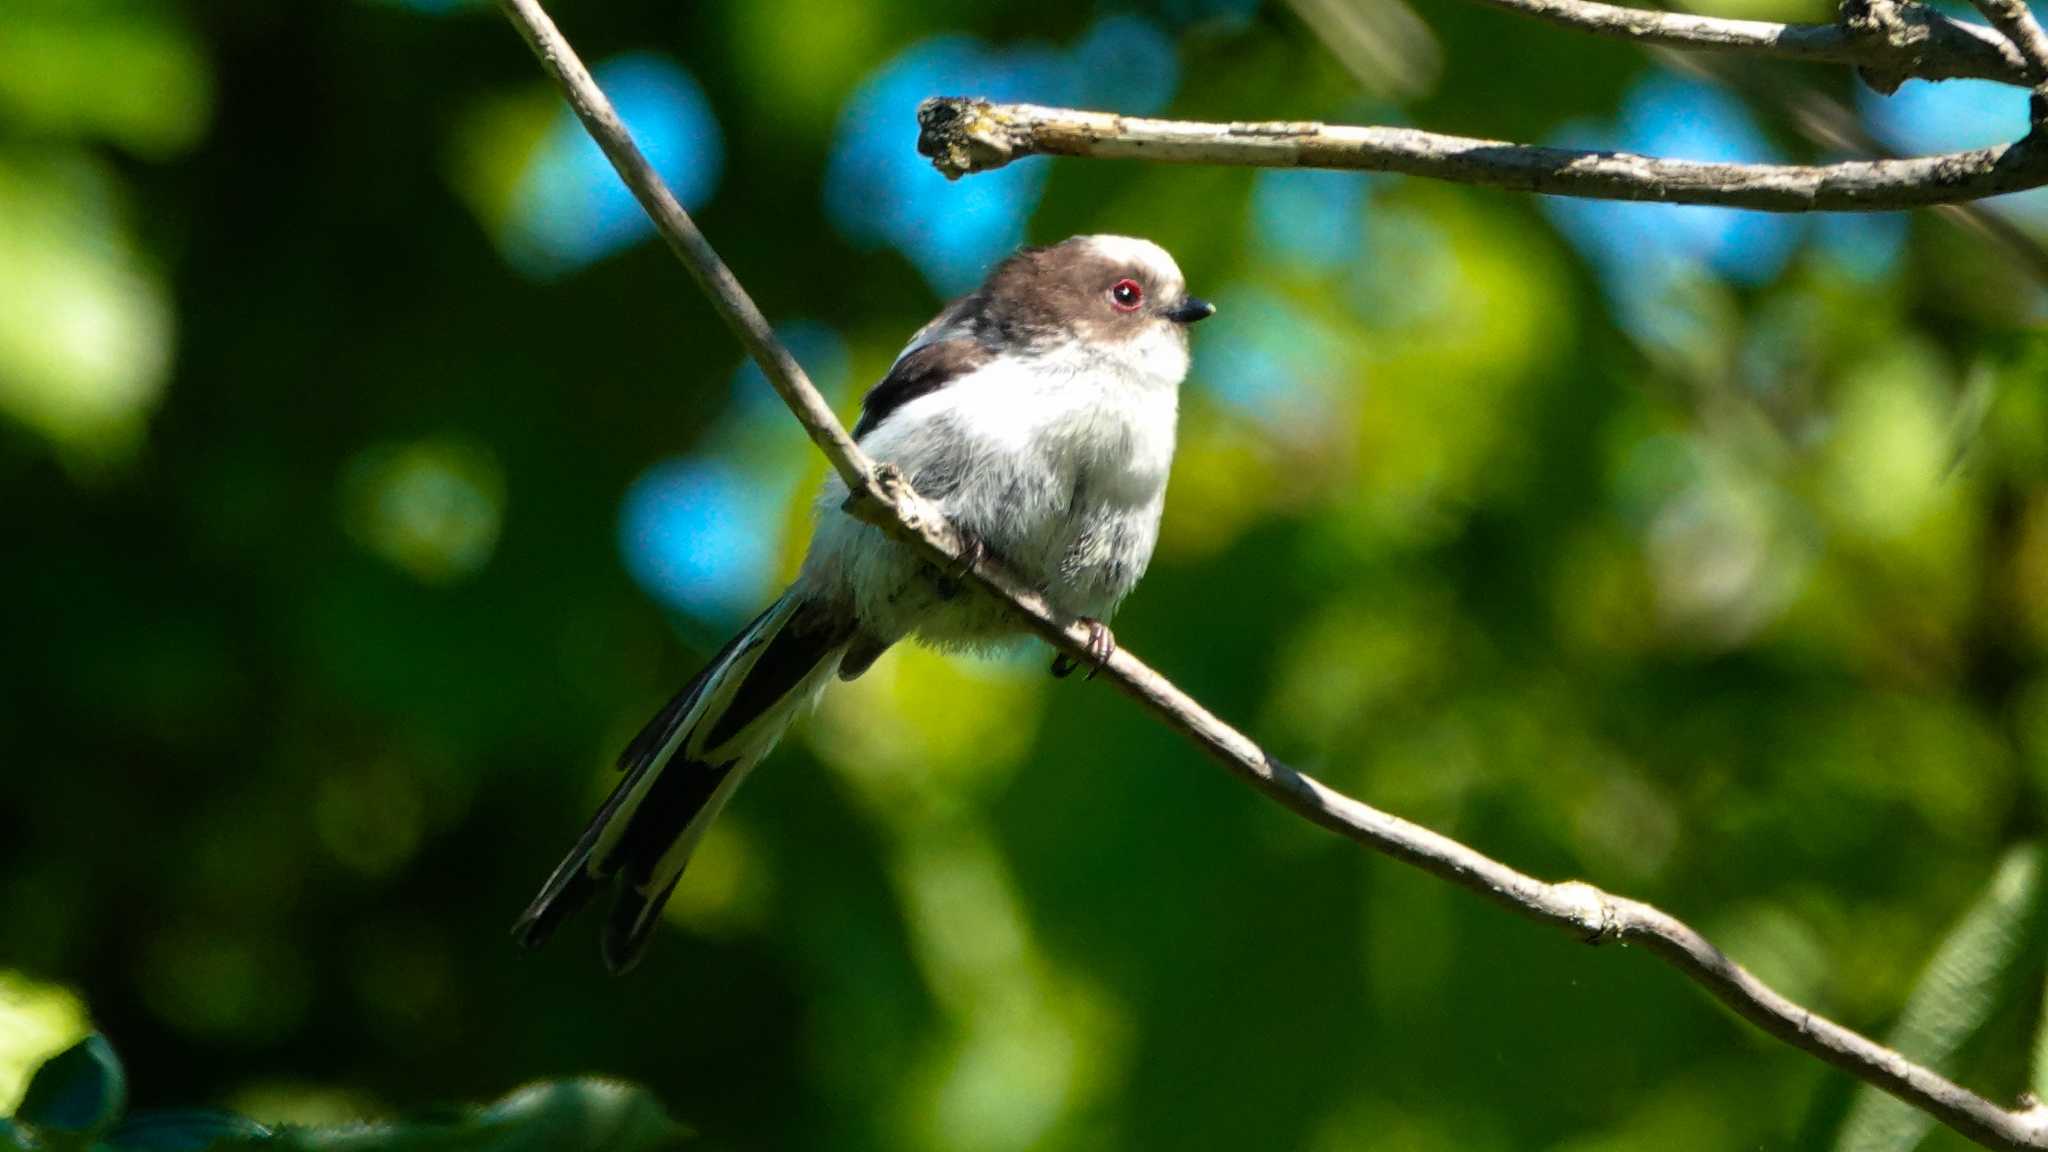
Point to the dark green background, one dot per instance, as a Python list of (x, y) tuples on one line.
[(1748, 622)]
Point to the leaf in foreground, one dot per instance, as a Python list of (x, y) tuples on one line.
[(78, 1092), (572, 1115), (1955, 998)]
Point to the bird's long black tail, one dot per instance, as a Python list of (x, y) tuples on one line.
[(683, 766)]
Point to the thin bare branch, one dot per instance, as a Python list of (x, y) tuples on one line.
[(2016, 20), (963, 136), (734, 306), (1827, 121), (1889, 42), (884, 499)]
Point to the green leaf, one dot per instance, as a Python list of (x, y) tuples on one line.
[(80, 1091), (1955, 998), (184, 1130), (565, 1116)]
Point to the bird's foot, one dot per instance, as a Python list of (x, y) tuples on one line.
[(1101, 646), (954, 578)]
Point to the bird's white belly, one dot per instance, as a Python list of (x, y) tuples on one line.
[(1062, 474)]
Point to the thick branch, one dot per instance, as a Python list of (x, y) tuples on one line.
[(963, 136), (1891, 42), (884, 499)]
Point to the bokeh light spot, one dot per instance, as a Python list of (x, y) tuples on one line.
[(1310, 217), (1951, 115), (826, 42), (130, 73), (826, 360), (1267, 358), (85, 328), (1866, 245), (880, 192), (568, 206), (370, 818), (432, 508), (922, 731), (1650, 257), (1126, 64), (1888, 454), (209, 982), (1922, 118), (298, 1102), (695, 535), (726, 890)]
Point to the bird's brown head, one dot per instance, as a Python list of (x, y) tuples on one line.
[(1107, 290)]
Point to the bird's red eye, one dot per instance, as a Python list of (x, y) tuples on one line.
[(1127, 295)]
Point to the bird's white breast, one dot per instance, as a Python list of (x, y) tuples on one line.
[(1038, 454), (1080, 413)]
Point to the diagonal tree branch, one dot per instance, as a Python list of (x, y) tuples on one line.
[(884, 499), (1890, 42), (964, 136)]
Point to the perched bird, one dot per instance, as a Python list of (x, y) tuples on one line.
[(1038, 414)]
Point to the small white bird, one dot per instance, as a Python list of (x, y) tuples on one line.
[(1038, 414)]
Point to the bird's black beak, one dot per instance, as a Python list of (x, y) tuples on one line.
[(1190, 310)]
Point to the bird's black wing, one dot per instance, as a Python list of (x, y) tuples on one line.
[(924, 369)]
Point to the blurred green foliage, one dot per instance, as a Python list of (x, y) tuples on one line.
[(327, 607), (78, 1100)]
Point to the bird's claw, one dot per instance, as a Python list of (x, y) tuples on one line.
[(1101, 646), (972, 552)]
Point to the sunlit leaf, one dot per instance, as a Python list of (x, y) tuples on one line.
[(37, 1021), (557, 1117), (1956, 997)]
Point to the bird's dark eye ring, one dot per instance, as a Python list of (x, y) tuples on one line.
[(1126, 295)]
